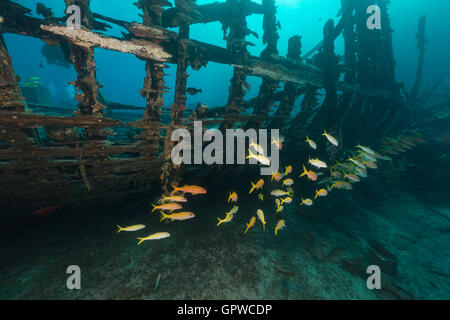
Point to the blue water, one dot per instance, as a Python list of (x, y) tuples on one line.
[(398, 217)]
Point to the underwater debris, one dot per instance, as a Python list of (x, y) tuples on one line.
[(158, 279)]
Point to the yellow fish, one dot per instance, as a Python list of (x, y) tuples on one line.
[(261, 196), (250, 224), (258, 185), (178, 216), (288, 182), (172, 199), (278, 143), (233, 210), (279, 209), (317, 163), (311, 143), (310, 174), (307, 202), (370, 164), (155, 236), (335, 174), (321, 193), (366, 149), (280, 193), (368, 156), (233, 197), (359, 164), (288, 170), (260, 214), (277, 176), (135, 227), (228, 218), (279, 206), (330, 138), (340, 185), (167, 206), (260, 158), (352, 177), (256, 147), (280, 225), (287, 200)]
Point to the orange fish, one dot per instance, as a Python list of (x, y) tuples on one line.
[(45, 211), (167, 206), (321, 193), (189, 189), (258, 185), (185, 215), (233, 197), (250, 224), (310, 174), (278, 143), (277, 176), (288, 170)]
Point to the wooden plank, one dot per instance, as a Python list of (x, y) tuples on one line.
[(32, 120), (89, 39)]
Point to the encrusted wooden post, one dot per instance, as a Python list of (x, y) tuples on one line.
[(88, 103), (290, 92), (265, 96), (154, 84), (84, 63), (421, 47), (185, 7), (10, 97), (363, 46), (237, 46), (388, 63), (330, 75), (153, 89)]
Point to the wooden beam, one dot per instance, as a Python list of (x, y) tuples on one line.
[(31, 120), (89, 39)]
